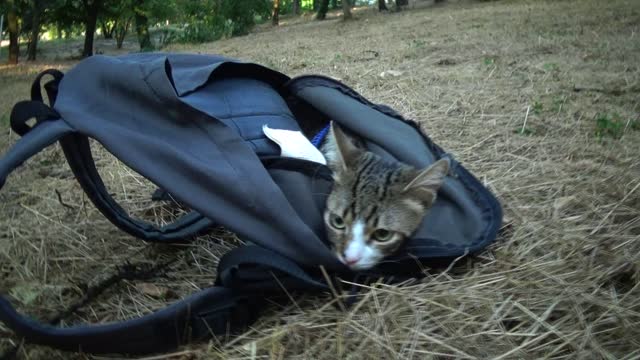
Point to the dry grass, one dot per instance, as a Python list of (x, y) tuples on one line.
[(562, 281)]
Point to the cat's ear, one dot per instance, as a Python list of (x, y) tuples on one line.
[(346, 151), (426, 184)]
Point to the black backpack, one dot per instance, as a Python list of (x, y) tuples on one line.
[(202, 116)]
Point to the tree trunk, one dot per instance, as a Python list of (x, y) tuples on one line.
[(322, 10), (400, 3), (107, 31), (35, 30), (296, 7), (91, 8), (382, 5), (275, 13), (13, 29), (142, 27), (346, 10), (121, 32)]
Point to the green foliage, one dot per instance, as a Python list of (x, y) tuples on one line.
[(524, 131), (26, 293), (418, 43), (168, 21), (204, 30), (209, 20), (537, 108), (613, 126), (286, 7), (160, 10), (489, 61), (558, 103), (243, 13)]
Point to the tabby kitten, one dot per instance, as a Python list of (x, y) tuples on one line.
[(375, 205)]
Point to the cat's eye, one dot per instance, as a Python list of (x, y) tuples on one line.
[(337, 222), (382, 235)]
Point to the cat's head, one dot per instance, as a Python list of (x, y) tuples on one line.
[(374, 205)]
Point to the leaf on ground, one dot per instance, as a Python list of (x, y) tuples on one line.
[(26, 293), (394, 73), (152, 290)]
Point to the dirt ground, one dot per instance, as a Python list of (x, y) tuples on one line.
[(539, 99)]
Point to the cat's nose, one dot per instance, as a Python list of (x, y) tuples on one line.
[(351, 260)]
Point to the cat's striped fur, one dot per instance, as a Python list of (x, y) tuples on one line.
[(374, 205)]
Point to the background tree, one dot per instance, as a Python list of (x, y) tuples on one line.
[(382, 5), (400, 3), (153, 13), (91, 11), (323, 7), (142, 26), (65, 15), (37, 8), (156, 22), (242, 13), (13, 28), (115, 19), (295, 7), (111, 14), (346, 10), (121, 30), (276, 12), (108, 27)]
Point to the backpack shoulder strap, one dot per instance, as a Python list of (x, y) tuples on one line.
[(247, 277), (211, 311), (77, 150)]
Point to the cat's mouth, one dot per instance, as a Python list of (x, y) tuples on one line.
[(357, 265)]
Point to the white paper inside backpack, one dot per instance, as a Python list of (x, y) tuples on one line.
[(294, 144)]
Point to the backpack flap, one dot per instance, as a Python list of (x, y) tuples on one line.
[(133, 109)]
